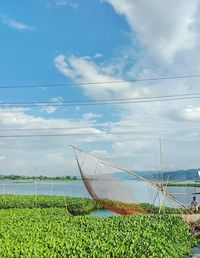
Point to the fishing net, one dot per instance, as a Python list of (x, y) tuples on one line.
[(117, 189)]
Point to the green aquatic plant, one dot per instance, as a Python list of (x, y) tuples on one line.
[(50, 232), (75, 206)]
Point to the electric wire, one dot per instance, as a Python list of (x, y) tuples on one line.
[(106, 101), (102, 133), (99, 82), (165, 126), (68, 134)]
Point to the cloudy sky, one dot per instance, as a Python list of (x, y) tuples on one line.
[(81, 44)]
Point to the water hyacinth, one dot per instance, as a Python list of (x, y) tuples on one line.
[(50, 232), (75, 206)]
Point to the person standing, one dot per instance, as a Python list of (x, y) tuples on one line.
[(194, 205)]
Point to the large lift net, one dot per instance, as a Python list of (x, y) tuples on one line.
[(119, 189)]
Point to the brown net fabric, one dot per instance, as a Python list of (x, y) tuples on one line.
[(104, 186), (118, 189)]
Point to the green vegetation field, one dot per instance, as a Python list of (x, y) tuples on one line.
[(76, 206), (53, 232)]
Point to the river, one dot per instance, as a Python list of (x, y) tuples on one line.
[(138, 191)]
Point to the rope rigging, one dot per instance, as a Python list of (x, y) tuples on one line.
[(114, 194)]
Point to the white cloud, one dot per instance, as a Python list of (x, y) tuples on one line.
[(74, 5), (167, 34), (190, 113), (86, 71), (49, 109), (61, 3), (2, 157), (97, 55), (91, 116), (100, 153), (163, 119), (15, 24), (57, 100), (52, 109), (164, 27), (50, 155), (62, 66)]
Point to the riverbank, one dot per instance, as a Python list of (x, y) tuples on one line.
[(183, 185), (38, 178)]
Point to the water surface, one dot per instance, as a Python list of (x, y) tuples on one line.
[(136, 191)]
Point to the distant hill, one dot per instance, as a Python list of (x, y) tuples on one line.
[(177, 175), (188, 174)]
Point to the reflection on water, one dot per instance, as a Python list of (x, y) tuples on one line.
[(138, 191), (195, 252), (60, 188), (102, 213)]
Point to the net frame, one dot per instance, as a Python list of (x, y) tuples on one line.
[(117, 206)]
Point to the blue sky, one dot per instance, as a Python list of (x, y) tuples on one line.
[(27, 54), (62, 41)]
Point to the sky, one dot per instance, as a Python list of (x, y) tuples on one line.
[(84, 45)]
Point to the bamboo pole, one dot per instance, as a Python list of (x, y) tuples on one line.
[(115, 165)]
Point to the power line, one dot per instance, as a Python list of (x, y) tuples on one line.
[(69, 134), (119, 101), (164, 126), (47, 128), (107, 100), (98, 83), (76, 134)]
